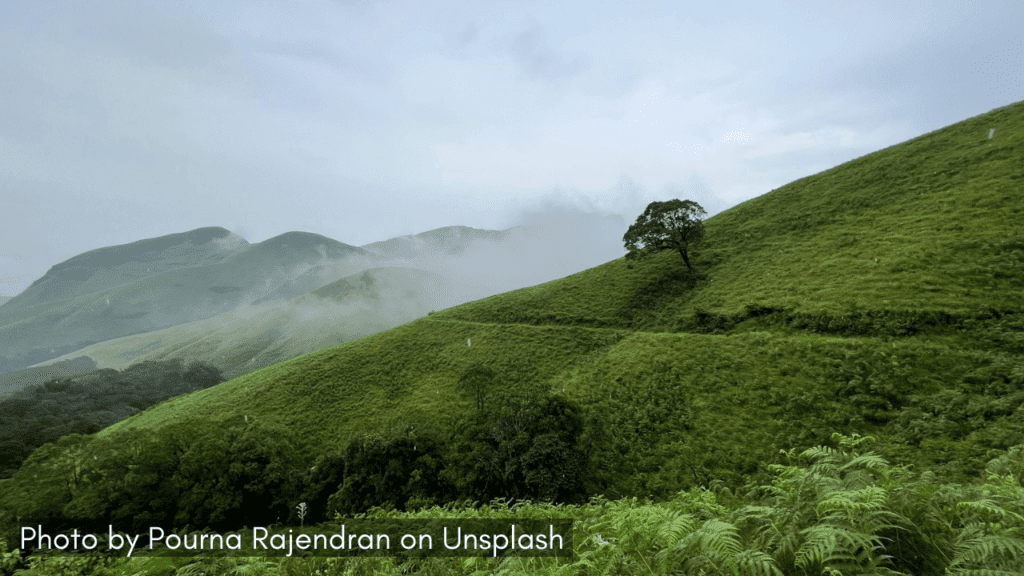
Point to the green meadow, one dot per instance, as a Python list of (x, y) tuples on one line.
[(722, 416)]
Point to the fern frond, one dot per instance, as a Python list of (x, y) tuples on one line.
[(984, 505), (674, 528), (975, 549), (828, 544), (854, 503), (871, 461), (819, 545), (720, 538), (757, 563), (824, 454), (986, 572)]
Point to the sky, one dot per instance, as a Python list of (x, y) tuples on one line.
[(363, 121)]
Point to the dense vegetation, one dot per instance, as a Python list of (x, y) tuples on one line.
[(827, 510), (878, 298), (247, 473), (39, 414)]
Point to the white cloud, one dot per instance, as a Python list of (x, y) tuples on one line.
[(365, 120)]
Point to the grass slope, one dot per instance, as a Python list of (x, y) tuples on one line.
[(36, 333), (253, 337), (911, 256), (65, 368), (105, 268), (932, 224)]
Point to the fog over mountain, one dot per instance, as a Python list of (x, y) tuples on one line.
[(252, 336), (161, 282), (208, 294), (104, 268), (484, 262)]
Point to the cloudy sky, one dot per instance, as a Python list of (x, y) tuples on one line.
[(364, 120)]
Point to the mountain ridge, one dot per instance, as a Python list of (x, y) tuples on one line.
[(32, 333), (123, 263)]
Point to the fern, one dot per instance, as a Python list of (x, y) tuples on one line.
[(977, 549), (830, 514)]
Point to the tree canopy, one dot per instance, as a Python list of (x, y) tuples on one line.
[(671, 225)]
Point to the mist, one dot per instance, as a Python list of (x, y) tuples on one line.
[(546, 245), (328, 301)]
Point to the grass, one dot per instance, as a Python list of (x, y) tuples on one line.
[(881, 296), (930, 224), (868, 272)]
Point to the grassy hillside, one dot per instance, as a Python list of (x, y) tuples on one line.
[(253, 337), (104, 268), (895, 254), (932, 225), (880, 297)]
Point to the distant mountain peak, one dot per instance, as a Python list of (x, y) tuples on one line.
[(447, 239), (104, 268)]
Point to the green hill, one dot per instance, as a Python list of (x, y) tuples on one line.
[(63, 368), (252, 337), (35, 333), (879, 297), (930, 225), (919, 238), (105, 268)]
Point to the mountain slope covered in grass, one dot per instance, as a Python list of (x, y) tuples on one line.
[(930, 225), (51, 327), (252, 337), (104, 268), (880, 297), (816, 291)]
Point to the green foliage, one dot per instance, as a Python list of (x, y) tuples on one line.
[(526, 451), (193, 473), (476, 381), (389, 473), (837, 509), (670, 225), (878, 298), (828, 514), (37, 414), (319, 483), (10, 561)]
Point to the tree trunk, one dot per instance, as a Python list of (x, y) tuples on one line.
[(682, 252)]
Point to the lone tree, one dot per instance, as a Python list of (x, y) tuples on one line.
[(670, 225)]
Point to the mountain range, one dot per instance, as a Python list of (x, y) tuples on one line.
[(208, 283)]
